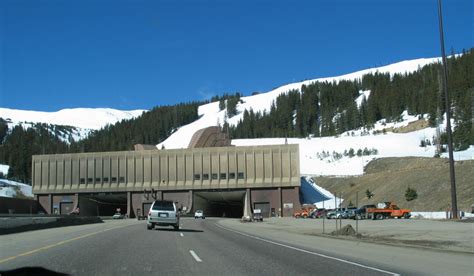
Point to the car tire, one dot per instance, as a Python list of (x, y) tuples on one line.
[(379, 216), (150, 226), (176, 227), (406, 216)]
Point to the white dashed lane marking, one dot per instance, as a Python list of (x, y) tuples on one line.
[(195, 256)]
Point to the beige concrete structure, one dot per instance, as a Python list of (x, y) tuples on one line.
[(209, 137), (270, 174)]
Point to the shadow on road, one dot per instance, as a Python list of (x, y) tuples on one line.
[(180, 230)]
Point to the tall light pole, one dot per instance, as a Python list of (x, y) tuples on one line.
[(454, 204)]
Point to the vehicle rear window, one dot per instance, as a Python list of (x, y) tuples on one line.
[(163, 205)]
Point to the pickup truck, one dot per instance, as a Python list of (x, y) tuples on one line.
[(387, 210)]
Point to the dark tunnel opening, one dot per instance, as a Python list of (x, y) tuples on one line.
[(220, 203), (103, 204)]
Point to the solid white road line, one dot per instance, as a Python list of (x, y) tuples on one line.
[(309, 252), (195, 256), (181, 234)]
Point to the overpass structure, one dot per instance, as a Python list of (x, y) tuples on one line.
[(222, 181)]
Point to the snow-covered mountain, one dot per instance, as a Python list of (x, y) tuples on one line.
[(80, 121), (86, 118)]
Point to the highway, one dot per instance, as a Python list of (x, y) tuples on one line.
[(201, 247)]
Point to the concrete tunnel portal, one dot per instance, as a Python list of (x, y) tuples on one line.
[(214, 203)]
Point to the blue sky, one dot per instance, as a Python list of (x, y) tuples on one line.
[(139, 54)]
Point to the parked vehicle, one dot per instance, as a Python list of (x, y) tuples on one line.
[(361, 213), (163, 213), (336, 214), (304, 213), (318, 213), (199, 214), (349, 213), (387, 210), (257, 215)]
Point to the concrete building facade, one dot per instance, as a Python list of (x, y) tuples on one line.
[(198, 178)]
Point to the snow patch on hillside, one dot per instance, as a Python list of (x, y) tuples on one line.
[(9, 188), (363, 94), (4, 169)]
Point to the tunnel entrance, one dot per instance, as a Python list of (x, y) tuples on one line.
[(220, 203), (102, 204)]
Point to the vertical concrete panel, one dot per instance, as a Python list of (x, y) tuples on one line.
[(232, 169), (295, 173), (147, 171), (130, 180), (268, 166), (98, 172), (285, 156), (276, 160), (198, 170), (37, 175), (163, 171), (67, 173), (249, 172), (214, 170), (122, 171), (206, 170), (156, 170), (189, 177), (139, 170), (172, 159), (114, 172), (180, 170), (107, 172), (90, 173), (45, 173), (259, 167), (82, 173), (60, 174), (75, 172), (223, 170), (52, 174)]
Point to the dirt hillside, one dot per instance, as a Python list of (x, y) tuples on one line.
[(388, 179)]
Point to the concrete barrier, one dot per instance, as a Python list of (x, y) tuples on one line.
[(438, 215), (9, 225)]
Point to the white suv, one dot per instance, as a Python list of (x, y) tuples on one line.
[(163, 213)]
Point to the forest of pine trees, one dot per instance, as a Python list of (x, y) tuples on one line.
[(329, 108), (319, 109)]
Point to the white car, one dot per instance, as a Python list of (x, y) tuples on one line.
[(199, 214)]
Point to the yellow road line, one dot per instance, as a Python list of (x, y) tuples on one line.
[(58, 244)]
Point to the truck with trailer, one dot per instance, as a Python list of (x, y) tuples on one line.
[(387, 210)]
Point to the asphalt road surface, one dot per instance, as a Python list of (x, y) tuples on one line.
[(201, 247)]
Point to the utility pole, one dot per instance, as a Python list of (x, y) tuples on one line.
[(454, 204)]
